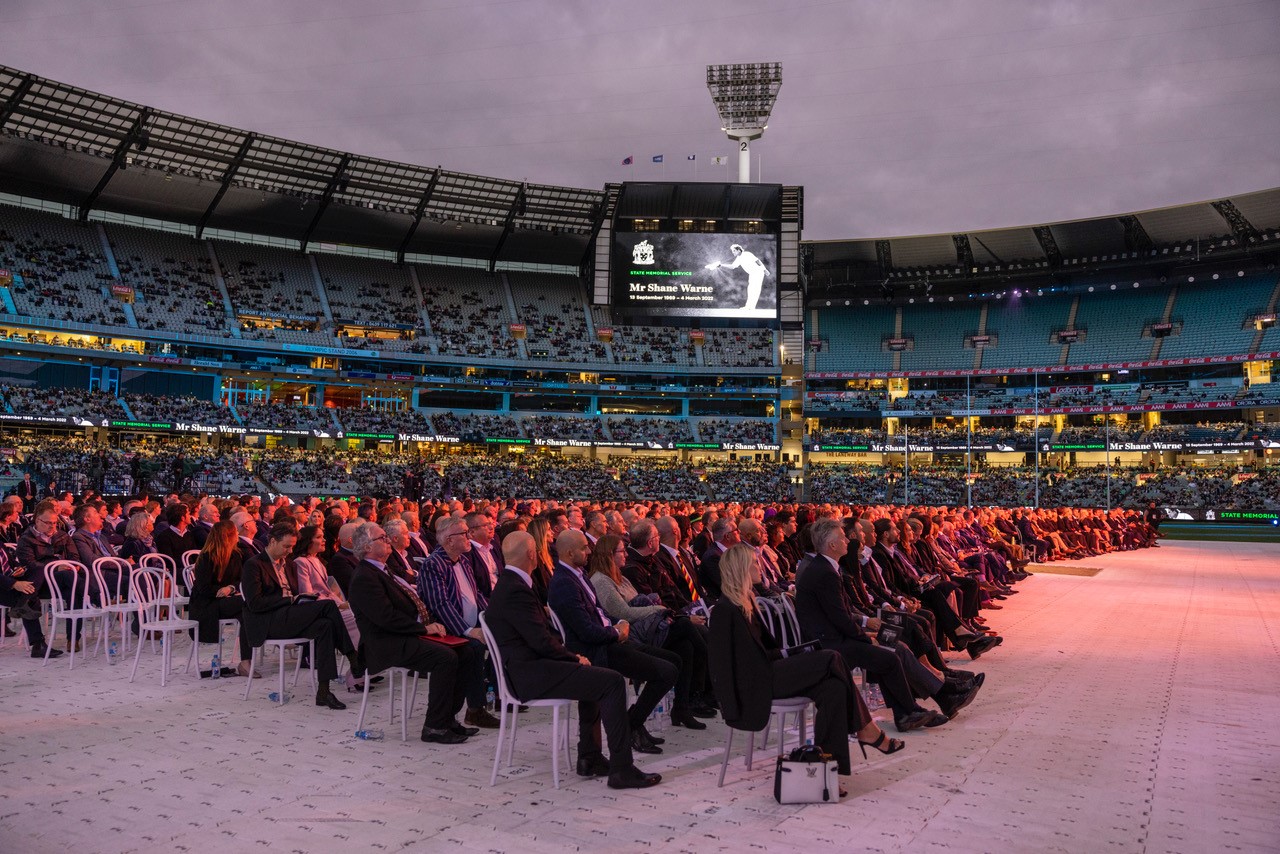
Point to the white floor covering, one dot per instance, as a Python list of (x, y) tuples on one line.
[(1132, 711)]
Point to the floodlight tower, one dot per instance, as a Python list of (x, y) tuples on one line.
[(744, 95)]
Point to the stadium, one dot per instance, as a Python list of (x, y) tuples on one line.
[(215, 317)]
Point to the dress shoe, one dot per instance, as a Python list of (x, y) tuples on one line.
[(935, 719), (951, 701), (641, 743), (655, 739), (443, 736), (39, 651), (700, 711), (977, 647), (633, 778), (592, 766), (482, 719), (991, 606), (681, 717), (242, 669), (326, 698), (915, 720), (464, 731)]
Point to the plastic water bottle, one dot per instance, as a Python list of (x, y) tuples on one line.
[(369, 734), (215, 668), (275, 697), (113, 655), (490, 699)]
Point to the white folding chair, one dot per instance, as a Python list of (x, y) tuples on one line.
[(77, 611), (151, 590), (115, 598), (170, 566), (786, 611), (408, 695), (778, 711), (189, 578), (509, 705), (281, 644)]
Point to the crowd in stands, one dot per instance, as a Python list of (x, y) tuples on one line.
[(647, 477), (475, 426), (661, 431), (173, 278), (384, 421), (64, 273), (753, 430), (743, 481), (284, 416), (652, 345), (564, 428), (61, 401), (154, 407)]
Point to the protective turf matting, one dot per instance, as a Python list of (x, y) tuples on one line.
[(1064, 569)]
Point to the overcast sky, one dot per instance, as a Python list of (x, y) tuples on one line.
[(897, 116)]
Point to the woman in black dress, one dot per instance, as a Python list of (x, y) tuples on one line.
[(216, 593)]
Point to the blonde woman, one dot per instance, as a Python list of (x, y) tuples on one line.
[(749, 672)]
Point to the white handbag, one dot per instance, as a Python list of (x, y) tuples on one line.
[(806, 776)]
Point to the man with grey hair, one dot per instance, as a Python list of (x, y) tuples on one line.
[(398, 563), (724, 533), (395, 627), (447, 585), (206, 518)]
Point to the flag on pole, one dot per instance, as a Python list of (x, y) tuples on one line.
[(628, 160), (719, 161), (657, 158), (692, 157)]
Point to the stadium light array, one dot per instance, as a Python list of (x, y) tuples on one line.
[(744, 95)]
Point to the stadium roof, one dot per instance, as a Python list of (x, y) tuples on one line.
[(91, 151), (1250, 219)]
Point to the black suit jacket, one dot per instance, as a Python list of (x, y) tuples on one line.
[(342, 566), (823, 608), (741, 667), (262, 595), (173, 544), (481, 572), (709, 572), (584, 632), (386, 616), (199, 533), (532, 655)]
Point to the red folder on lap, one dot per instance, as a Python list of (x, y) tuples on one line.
[(447, 640)]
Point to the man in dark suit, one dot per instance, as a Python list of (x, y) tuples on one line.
[(176, 539), (206, 518), (342, 566), (26, 490), (246, 531), (271, 610), (22, 595), (826, 615), (392, 622), (724, 533), (591, 632), (538, 666)]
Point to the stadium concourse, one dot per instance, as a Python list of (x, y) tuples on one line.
[(1130, 710)]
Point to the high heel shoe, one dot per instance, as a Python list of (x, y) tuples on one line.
[(893, 746)]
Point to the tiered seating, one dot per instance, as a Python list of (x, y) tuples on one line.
[(1024, 328), (273, 283), (475, 426), (65, 274), (564, 428), (852, 338), (552, 311), (367, 291), (363, 420), (173, 278), (1115, 325), (1211, 323), (739, 348), (62, 401), (939, 332), (661, 479), (736, 430), (662, 345), (658, 430), (285, 417), (153, 407), (468, 312)]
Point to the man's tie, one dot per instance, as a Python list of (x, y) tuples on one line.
[(424, 616), (688, 579)]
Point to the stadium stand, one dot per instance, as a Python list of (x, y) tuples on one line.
[(553, 312), (173, 277), (468, 312)]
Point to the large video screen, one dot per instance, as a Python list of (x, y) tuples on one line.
[(695, 275)]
